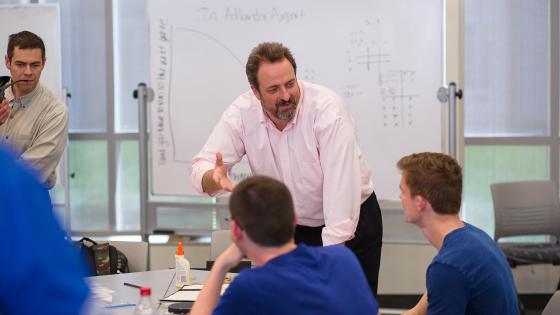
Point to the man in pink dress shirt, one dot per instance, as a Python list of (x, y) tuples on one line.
[(303, 135)]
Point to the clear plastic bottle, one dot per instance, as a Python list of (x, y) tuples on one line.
[(182, 268), (145, 305)]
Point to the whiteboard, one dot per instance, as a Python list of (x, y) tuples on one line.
[(43, 20), (383, 57)]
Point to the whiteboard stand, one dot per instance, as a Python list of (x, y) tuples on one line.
[(449, 95), (64, 179), (148, 208), (144, 95)]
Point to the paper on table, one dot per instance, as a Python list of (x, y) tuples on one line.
[(188, 293), (101, 293)]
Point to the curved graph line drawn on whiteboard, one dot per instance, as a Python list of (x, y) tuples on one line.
[(203, 60), (213, 39)]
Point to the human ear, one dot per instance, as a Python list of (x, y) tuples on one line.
[(256, 92), (236, 231), (421, 202)]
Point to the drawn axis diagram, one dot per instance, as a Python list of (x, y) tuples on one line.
[(392, 85)]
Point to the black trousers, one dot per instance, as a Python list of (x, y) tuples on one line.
[(366, 243)]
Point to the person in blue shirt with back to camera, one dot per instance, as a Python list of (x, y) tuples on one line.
[(40, 272), (469, 274), (288, 278)]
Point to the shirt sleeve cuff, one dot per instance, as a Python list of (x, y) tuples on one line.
[(339, 233), (198, 170)]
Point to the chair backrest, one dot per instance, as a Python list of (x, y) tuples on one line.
[(526, 208), (221, 239), (135, 252), (553, 305)]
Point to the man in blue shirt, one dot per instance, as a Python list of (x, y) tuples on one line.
[(287, 279), (40, 271), (469, 274)]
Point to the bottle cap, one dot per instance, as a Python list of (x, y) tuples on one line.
[(145, 291), (179, 249)]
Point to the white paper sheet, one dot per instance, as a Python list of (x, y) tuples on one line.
[(189, 293)]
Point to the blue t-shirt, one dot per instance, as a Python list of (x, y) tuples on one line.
[(40, 271), (307, 280), (470, 275)]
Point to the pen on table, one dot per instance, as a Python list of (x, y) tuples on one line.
[(132, 285), (120, 305)]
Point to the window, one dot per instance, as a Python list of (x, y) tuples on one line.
[(508, 99), (105, 56)]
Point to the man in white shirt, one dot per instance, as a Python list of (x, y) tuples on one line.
[(301, 134), (33, 120)]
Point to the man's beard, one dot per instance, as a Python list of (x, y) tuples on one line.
[(286, 115)]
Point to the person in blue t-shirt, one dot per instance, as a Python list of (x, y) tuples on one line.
[(40, 272), (287, 279), (469, 274)]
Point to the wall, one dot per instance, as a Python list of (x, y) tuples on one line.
[(403, 268)]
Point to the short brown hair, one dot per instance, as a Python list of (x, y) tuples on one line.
[(263, 208), (25, 40), (266, 52), (436, 177)]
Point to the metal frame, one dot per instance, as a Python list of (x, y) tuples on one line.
[(111, 138)]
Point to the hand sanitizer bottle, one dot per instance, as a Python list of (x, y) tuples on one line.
[(145, 305), (182, 268)]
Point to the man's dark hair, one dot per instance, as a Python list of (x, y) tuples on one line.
[(263, 208), (436, 177), (266, 52), (25, 40)]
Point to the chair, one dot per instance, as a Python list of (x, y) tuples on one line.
[(135, 252), (221, 239), (553, 305), (527, 208)]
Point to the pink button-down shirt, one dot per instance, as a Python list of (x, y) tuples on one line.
[(316, 156)]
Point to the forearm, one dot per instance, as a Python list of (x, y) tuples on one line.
[(342, 177), (341, 216), (210, 294), (421, 308)]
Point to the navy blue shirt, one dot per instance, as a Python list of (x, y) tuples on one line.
[(40, 271), (307, 280), (470, 275)]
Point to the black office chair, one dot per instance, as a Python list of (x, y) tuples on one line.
[(528, 208)]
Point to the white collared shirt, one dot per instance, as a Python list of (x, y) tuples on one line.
[(316, 156)]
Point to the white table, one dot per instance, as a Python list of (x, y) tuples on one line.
[(162, 283)]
